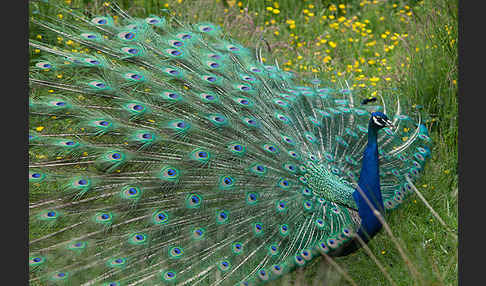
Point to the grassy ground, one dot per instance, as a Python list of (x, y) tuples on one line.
[(409, 46)]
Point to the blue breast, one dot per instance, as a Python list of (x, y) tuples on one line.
[(369, 183)]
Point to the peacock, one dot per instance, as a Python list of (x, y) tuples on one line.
[(176, 156)]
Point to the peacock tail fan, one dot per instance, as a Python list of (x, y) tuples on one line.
[(176, 157)]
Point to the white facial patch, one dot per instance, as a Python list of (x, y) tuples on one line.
[(375, 119)]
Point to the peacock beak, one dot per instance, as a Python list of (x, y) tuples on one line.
[(389, 123)]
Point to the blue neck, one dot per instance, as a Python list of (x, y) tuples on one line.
[(369, 182)]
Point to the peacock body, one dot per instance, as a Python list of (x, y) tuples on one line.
[(177, 157)]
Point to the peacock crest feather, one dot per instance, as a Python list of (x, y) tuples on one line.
[(181, 159)]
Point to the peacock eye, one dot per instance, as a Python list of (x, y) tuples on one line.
[(152, 21)]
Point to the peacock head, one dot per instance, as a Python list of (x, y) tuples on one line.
[(379, 120)]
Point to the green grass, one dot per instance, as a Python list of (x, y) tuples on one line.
[(407, 46)]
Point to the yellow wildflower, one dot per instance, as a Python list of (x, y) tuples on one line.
[(370, 44), (334, 25), (40, 128)]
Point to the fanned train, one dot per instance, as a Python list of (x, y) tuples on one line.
[(173, 155)]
